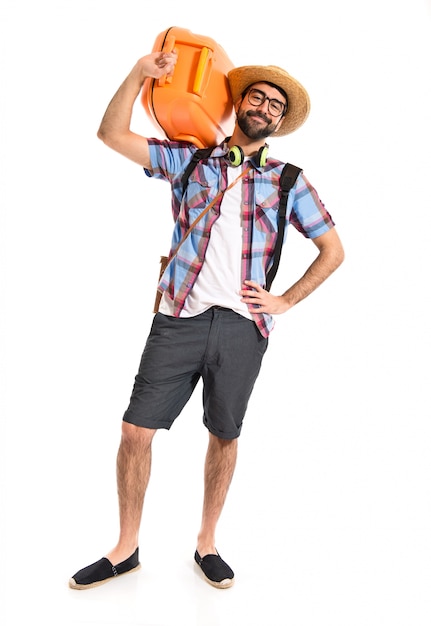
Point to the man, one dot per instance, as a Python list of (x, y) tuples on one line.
[(215, 315)]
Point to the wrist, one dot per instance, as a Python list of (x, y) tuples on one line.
[(287, 300)]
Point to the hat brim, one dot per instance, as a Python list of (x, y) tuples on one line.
[(298, 100)]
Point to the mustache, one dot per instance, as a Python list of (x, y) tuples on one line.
[(259, 114)]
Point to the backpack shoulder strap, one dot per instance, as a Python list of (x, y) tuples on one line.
[(201, 153), (288, 178)]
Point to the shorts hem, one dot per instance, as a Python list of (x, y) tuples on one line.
[(223, 435), (147, 424)]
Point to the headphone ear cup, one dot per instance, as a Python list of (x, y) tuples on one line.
[(262, 155), (236, 155)]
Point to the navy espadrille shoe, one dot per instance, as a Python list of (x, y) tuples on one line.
[(216, 572), (101, 571)]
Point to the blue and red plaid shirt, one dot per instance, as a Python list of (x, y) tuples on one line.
[(260, 200)]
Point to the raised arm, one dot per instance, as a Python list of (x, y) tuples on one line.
[(114, 129)]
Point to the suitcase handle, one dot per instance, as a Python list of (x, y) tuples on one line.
[(204, 59), (168, 46), (203, 63)]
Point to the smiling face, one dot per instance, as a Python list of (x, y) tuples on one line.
[(256, 110)]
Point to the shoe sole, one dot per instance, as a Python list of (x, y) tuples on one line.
[(74, 585), (223, 584)]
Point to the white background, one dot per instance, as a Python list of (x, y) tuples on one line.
[(328, 518)]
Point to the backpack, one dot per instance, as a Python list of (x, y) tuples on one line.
[(288, 178)]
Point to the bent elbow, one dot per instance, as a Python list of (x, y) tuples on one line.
[(340, 256), (103, 135), (110, 139)]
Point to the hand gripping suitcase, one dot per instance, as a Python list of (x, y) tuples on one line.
[(195, 103)]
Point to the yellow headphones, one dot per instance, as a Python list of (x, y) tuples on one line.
[(236, 156)]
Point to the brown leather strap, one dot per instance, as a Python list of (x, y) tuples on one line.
[(205, 211), (164, 261)]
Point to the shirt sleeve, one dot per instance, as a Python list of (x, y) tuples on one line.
[(309, 215), (167, 158)]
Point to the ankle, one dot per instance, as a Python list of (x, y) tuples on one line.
[(121, 553), (206, 545)]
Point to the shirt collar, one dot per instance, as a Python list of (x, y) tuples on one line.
[(222, 150)]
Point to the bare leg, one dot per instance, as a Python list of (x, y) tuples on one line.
[(219, 468), (133, 475)]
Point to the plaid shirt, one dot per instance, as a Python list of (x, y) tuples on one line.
[(260, 199)]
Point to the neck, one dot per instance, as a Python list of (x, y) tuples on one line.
[(250, 147)]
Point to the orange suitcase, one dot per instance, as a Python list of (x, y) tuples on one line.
[(195, 103)]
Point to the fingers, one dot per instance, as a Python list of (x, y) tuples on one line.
[(166, 61), (259, 299), (251, 285), (253, 294), (164, 58), (156, 65)]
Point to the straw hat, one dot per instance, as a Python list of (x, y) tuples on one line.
[(298, 101)]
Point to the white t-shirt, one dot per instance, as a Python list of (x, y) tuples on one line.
[(219, 280)]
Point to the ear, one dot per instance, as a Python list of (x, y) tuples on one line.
[(237, 103), (279, 123)]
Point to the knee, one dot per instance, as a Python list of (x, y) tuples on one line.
[(136, 436), (223, 444)]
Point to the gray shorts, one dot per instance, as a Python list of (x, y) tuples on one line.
[(221, 347)]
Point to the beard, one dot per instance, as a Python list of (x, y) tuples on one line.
[(253, 130)]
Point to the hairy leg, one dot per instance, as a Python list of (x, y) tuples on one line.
[(133, 475), (219, 468)]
